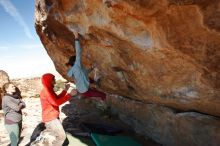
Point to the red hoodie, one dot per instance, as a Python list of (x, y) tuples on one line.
[(50, 101)]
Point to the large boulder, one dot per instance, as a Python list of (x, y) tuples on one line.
[(164, 52), (4, 78), (167, 126)]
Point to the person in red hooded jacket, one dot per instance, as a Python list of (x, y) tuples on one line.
[(50, 103)]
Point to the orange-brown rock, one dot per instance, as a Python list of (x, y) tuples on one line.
[(164, 52)]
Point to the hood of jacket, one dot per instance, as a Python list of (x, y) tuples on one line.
[(47, 80)]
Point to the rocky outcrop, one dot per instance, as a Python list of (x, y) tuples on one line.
[(163, 52), (4, 78), (166, 126)]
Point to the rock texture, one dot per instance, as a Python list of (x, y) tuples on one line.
[(4, 78), (167, 126), (164, 52)]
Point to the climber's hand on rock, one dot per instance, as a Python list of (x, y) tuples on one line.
[(76, 34), (73, 92), (94, 65), (67, 86)]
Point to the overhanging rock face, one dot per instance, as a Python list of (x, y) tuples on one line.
[(163, 52)]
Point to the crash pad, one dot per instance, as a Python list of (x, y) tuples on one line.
[(79, 141), (100, 128), (108, 140)]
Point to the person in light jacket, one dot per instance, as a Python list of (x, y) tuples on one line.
[(79, 73), (12, 105)]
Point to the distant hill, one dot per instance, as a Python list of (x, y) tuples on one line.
[(29, 87)]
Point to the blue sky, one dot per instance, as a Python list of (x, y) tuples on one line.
[(21, 52)]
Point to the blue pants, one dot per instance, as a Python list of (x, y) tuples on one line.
[(14, 133)]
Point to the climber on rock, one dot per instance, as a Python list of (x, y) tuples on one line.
[(80, 75)]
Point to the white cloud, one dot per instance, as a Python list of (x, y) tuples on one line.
[(11, 10), (29, 66), (26, 64), (31, 46), (2, 48), (6, 57), (23, 46)]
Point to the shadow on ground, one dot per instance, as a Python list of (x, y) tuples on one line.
[(93, 111)]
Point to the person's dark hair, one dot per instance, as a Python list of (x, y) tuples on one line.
[(1, 94), (18, 92), (5, 86), (71, 61)]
